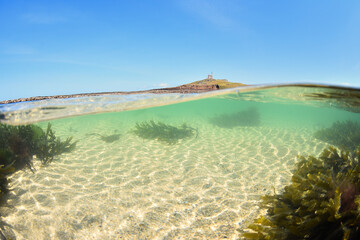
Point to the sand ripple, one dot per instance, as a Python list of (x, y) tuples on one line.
[(203, 188)]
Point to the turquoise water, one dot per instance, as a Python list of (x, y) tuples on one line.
[(138, 173)]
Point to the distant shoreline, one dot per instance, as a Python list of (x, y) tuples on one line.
[(183, 89), (205, 85), (154, 91)]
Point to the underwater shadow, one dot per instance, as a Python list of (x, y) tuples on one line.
[(246, 118)]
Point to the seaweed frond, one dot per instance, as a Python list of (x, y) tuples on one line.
[(18, 145), (341, 134), (163, 132), (322, 201), (49, 146)]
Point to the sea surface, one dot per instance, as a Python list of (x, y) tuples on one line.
[(242, 144)]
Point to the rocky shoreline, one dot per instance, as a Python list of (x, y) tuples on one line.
[(180, 89)]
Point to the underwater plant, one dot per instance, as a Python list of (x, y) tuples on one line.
[(248, 117), (49, 146), (163, 132), (4, 171), (18, 145), (348, 99), (322, 201), (342, 134)]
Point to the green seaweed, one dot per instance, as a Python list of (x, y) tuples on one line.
[(49, 146), (18, 145), (348, 100), (4, 171), (163, 132), (322, 201), (249, 117), (341, 134)]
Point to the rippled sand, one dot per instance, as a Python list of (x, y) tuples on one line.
[(206, 187)]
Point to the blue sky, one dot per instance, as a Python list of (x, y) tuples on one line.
[(65, 47)]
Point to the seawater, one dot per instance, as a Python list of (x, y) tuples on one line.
[(207, 186)]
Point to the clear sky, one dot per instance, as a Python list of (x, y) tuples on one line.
[(64, 47)]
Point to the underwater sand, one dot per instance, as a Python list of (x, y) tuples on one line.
[(204, 187)]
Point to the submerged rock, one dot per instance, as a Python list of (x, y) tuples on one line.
[(110, 138), (106, 138)]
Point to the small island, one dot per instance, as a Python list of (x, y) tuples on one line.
[(212, 84), (205, 85)]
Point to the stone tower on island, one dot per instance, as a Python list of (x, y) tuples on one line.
[(210, 76)]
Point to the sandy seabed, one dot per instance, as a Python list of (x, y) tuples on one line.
[(205, 187)]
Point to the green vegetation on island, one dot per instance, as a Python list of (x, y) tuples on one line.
[(222, 83), (163, 132)]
